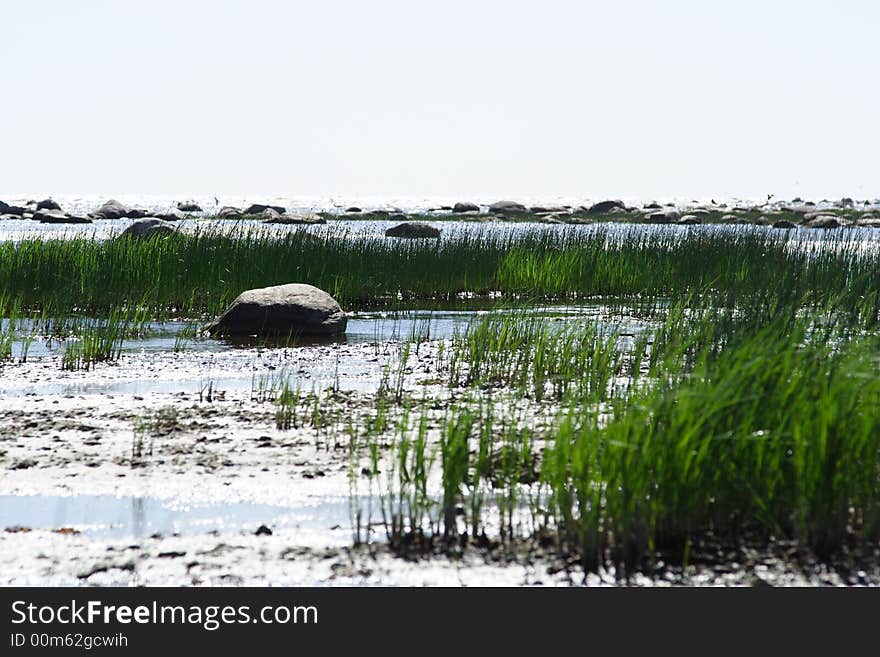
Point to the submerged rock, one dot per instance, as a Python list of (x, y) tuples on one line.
[(545, 209), (412, 229), (292, 309), (458, 208), (149, 227), (171, 215), (296, 219), (353, 209), (57, 217), (784, 223), (112, 209)]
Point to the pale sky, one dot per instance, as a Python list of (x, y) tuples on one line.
[(630, 98)]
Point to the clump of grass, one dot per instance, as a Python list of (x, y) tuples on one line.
[(776, 435), (7, 338), (287, 402), (454, 461), (155, 424), (535, 357), (190, 331), (101, 340), (11, 308)]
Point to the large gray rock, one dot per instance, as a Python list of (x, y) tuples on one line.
[(465, 207), (412, 229), (14, 209), (662, 217), (47, 204), (149, 227), (188, 206), (228, 212), (823, 221), (548, 209), (258, 208), (281, 310), (505, 207), (606, 206), (112, 209)]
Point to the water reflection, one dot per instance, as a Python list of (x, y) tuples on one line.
[(139, 517)]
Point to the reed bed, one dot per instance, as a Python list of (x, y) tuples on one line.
[(199, 273), (750, 425)]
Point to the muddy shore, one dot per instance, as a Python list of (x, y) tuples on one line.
[(189, 499)]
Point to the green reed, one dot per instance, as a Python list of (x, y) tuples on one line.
[(200, 272), (749, 425)]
